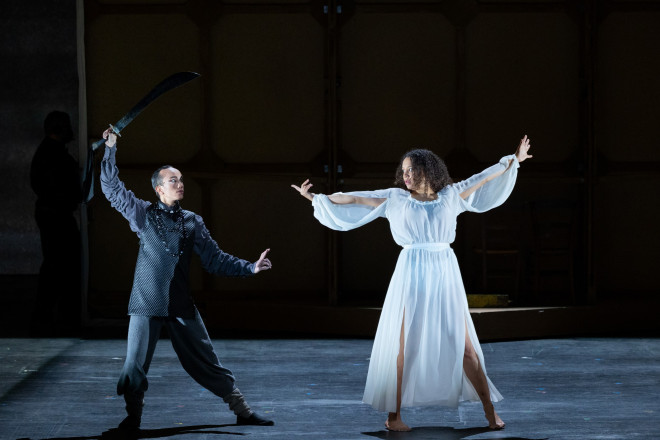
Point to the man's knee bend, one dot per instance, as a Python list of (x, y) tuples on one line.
[(132, 380)]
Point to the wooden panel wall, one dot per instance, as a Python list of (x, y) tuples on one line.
[(339, 90)]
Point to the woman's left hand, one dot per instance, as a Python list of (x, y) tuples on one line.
[(523, 149), (263, 263)]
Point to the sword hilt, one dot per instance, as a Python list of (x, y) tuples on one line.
[(98, 143), (115, 131)]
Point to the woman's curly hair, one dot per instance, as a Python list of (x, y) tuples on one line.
[(426, 165)]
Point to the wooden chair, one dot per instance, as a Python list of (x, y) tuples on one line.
[(554, 244), (500, 250)]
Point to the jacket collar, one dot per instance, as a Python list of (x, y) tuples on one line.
[(171, 209)]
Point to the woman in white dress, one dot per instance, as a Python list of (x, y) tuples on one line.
[(426, 350)]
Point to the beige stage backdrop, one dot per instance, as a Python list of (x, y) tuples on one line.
[(337, 91)]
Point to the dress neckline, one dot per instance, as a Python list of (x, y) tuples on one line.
[(424, 202)]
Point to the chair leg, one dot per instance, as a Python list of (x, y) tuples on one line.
[(571, 280), (537, 280), (484, 272), (516, 284)]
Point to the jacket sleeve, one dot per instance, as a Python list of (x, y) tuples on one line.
[(123, 200), (214, 260), (347, 217), (493, 193)]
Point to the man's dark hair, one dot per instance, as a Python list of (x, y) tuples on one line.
[(426, 165), (155, 177)]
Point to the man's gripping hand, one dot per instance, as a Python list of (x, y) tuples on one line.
[(110, 137)]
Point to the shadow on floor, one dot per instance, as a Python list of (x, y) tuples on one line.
[(445, 433), (118, 434)]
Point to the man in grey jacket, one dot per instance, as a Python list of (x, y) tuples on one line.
[(161, 290)]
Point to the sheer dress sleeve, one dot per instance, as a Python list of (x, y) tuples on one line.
[(493, 193), (347, 217)]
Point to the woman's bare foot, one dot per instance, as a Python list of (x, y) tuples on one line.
[(394, 423), (494, 421)]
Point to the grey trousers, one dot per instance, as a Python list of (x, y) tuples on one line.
[(193, 347)]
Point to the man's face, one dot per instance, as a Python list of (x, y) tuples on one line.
[(171, 189)]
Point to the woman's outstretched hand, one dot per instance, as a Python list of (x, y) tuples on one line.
[(263, 263), (523, 149), (303, 189)]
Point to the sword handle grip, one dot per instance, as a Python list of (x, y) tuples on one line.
[(97, 144)]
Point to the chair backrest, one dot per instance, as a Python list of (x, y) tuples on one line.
[(503, 228), (554, 224)]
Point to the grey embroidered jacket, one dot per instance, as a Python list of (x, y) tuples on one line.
[(168, 236)]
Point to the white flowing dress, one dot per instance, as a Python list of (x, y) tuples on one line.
[(426, 292)]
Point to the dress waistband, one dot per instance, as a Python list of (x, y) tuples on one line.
[(427, 246)]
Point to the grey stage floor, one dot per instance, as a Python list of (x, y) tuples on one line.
[(554, 389)]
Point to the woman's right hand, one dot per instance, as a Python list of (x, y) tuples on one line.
[(303, 189)]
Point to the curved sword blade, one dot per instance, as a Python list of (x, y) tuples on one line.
[(169, 83), (165, 85)]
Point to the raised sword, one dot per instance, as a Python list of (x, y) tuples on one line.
[(169, 83)]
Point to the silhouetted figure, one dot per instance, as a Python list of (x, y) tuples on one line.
[(55, 178)]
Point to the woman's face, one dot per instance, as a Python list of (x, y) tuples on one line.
[(409, 179)]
